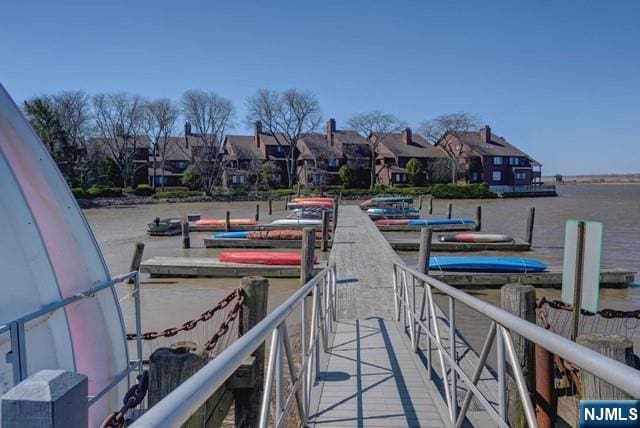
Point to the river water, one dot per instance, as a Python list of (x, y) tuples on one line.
[(170, 302)]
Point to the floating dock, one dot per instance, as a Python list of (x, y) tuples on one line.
[(201, 267), (437, 245), (609, 278), (435, 227)]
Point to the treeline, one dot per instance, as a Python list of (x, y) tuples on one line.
[(95, 139)]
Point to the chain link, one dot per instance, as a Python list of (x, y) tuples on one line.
[(191, 324), (604, 313), (224, 326), (132, 398)]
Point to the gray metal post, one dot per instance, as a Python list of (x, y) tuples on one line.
[(47, 399)]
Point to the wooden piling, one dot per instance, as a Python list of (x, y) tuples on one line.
[(257, 212), (339, 198), (335, 217), (530, 221), (420, 202), (298, 191), (545, 397), (520, 300), (227, 221), (270, 207), (325, 231), (286, 202), (254, 309), (478, 218), (616, 347), (138, 249), (426, 235), (186, 240), (308, 249), (430, 205), (449, 210)]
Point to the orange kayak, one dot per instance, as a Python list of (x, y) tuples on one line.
[(233, 221), (312, 203), (318, 198), (262, 258), (391, 222)]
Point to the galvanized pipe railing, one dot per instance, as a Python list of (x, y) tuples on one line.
[(185, 400), (503, 325)]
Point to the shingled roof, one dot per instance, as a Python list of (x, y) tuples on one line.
[(418, 147), (242, 147), (318, 146), (352, 144)]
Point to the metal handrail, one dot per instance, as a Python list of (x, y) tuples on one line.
[(181, 403), (503, 325), (17, 356)]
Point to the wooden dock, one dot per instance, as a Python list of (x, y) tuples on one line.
[(192, 267), (369, 376), (435, 228), (437, 245), (256, 243), (609, 278)]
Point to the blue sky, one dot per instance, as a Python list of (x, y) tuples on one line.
[(560, 79)]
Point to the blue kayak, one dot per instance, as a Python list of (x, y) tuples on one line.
[(231, 235), (440, 221), (486, 264)]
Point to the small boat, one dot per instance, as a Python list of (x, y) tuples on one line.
[(391, 211), (439, 221), (307, 212), (297, 222), (382, 201), (312, 203), (314, 198), (486, 264), (230, 235), (233, 222), (262, 258), (476, 237), (392, 222), (164, 227)]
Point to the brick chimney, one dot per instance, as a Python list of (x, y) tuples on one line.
[(331, 128), (487, 134), (187, 134), (406, 136), (257, 130)]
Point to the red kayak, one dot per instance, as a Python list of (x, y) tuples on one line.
[(313, 199), (391, 222), (262, 258), (311, 203), (233, 221)]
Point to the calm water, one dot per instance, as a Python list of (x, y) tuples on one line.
[(169, 302)]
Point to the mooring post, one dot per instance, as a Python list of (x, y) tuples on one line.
[(171, 366), (254, 309), (257, 212), (546, 400), (270, 207), (308, 249), (478, 218), (431, 205), (520, 300), (339, 198), (47, 399), (530, 221), (420, 202), (186, 240), (616, 347), (138, 249), (449, 209), (298, 191), (227, 221), (335, 217), (325, 231), (426, 235), (286, 202)]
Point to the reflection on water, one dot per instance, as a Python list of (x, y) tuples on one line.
[(168, 302)]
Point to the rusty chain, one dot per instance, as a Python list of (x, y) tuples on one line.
[(604, 313), (224, 326), (191, 324), (132, 398)]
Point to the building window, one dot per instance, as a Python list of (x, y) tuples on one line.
[(181, 164), (237, 179), (497, 176), (334, 162), (279, 149), (399, 178), (497, 160), (521, 175), (473, 176), (514, 160)]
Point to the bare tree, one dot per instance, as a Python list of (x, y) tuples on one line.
[(119, 124), (287, 116), (160, 121), (211, 116), (434, 130), (376, 126)]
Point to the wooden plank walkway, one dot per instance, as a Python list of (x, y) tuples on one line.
[(369, 376)]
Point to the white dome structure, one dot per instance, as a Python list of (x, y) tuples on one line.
[(48, 253)]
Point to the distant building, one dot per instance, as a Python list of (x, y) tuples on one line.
[(112, 148), (177, 158), (396, 149), (486, 158)]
